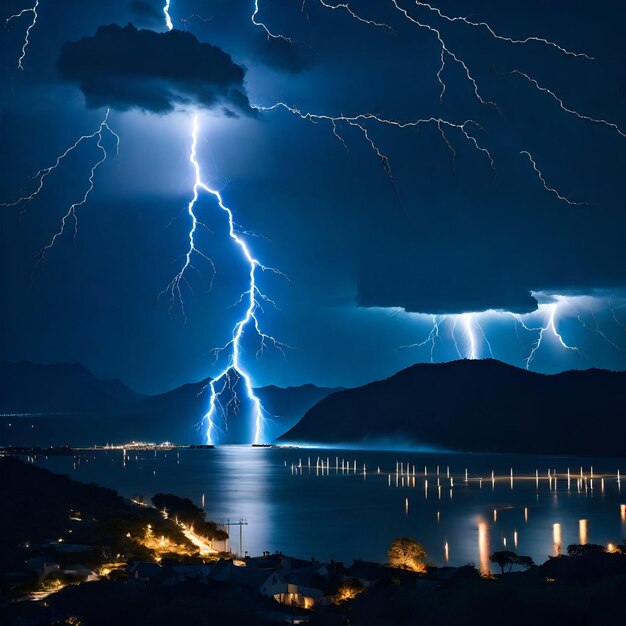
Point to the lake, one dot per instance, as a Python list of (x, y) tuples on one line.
[(312, 502)]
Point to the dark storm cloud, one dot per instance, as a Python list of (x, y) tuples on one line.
[(126, 68), (441, 290)]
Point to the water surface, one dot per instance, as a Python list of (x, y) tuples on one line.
[(294, 505)]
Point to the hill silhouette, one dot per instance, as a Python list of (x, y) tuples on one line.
[(479, 406), (64, 403)]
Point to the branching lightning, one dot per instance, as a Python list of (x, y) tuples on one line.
[(431, 339), (495, 35), (548, 327), (360, 122), (471, 327), (348, 9), (194, 16), (33, 11), (41, 175), (442, 58), (234, 371), (262, 25), (562, 105), (545, 184)]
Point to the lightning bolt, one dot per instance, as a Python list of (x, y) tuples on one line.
[(252, 297), (262, 25), (32, 10), (442, 58), (595, 329), (468, 320), (562, 105), (495, 35), (166, 14), (186, 20), (71, 212), (431, 339), (549, 327), (545, 184), (346, 7), (615, 318), (360, 122), (41, 176), (471, 326)]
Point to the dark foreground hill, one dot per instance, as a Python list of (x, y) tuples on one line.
[(66, 404), (480, 406)]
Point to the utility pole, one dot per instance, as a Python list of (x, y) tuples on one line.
[(241, 523)]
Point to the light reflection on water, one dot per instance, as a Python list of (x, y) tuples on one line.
[(306, 503)]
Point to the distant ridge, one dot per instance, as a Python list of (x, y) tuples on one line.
[(479, 406), (106, 411)]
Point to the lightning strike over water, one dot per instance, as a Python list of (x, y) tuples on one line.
[(252, 297), (41, 175), (545, 184), (32, 10)]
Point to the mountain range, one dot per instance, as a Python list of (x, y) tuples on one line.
[(66, 404), (479, 406)]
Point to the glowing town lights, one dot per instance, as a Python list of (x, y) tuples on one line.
[(557, 539), (33, 11), (583, 535)]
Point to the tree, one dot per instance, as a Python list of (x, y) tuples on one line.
[(577, 549), (525, 561), (506, 558), (350, 589), (406, 553)]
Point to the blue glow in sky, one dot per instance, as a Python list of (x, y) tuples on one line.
[(380, 224)]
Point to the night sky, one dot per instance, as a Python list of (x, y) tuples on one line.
[(371, 250)]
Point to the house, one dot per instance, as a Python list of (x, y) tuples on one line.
[(78, 570), (367, 573), (306, 587), (43, 566), (144, 573)]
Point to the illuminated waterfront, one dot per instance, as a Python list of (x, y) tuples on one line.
[(351, 504)]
